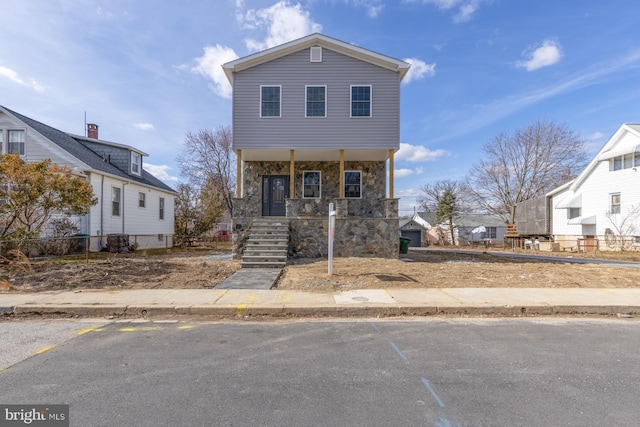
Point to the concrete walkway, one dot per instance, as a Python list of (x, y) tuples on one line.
[(233, 303), (251, 278)]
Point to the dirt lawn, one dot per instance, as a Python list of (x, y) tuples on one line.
[(416, 270)]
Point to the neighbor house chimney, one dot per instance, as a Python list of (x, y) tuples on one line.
[(92, 130)]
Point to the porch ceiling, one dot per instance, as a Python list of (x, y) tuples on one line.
[(315, 155)]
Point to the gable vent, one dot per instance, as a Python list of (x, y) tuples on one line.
[(316, 54)]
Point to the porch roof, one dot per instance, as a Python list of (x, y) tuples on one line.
[(315, 155)]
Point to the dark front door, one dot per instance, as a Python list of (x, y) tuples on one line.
[(275, 190)]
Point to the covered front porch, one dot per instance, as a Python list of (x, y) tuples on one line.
[(367, 218)]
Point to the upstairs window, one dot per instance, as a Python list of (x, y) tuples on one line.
[(316, 100), (614, 207), (353, 184), (311, 186), (161, 208), (135, 163), (115, 201), (360, 101), (142, 200), (16, 142), (270, 101)]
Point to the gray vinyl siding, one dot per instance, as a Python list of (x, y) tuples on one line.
[(335, 131), (117, 156)]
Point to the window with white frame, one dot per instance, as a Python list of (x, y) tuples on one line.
[(316, 101), (135, 163), (1, 141), (353, 184), (142, 200), (115, 201), (15, 142), (270, 101), (614, 207), (626, 161), (361, 101), (161, 208), (573, 213), (311, 184)]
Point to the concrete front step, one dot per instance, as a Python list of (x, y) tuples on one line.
[(267, 245), (252, 264)]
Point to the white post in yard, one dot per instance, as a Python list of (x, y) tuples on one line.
[(332, 227)]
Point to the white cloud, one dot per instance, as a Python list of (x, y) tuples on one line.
[(209, 66), (144, 126), (466, 11), (548, 54), (418, 153), (466, 8), (14, 77), (373, 7), (419, 69), (160, 171), (283, 22), (401, 173)]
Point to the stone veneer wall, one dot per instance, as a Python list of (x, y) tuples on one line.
[(364, 227), (354, 237)]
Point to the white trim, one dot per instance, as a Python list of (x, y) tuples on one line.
[(260, 104), (319, 196), (316, 39), (120, 197), (573, 201), (370, 101), (583, 220), (315, 54), (325, 102), (24, 143), (345, 185), (139, 164)]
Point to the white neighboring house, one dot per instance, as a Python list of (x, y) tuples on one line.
[(601, 204), (130, 200)]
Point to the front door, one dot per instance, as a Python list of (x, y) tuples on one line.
[(275, 190)]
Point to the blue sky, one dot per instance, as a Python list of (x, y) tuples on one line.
[(149, 71)]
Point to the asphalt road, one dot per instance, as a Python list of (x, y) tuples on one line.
[(426, 372)]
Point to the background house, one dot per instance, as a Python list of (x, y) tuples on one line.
[(130, 200), (419, 229), (600, 208), (314, 122)]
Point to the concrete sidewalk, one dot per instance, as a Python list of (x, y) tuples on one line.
[(375, 302)]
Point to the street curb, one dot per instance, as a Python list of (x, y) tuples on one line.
[(328, 311)]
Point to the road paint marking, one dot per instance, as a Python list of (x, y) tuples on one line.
[(143, 329), (376, 327), (87, 330), (44, 350), (241, 309), (183, 327), (432, 391), (395, 347)]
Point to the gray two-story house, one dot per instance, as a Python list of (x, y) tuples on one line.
[(315, 121)]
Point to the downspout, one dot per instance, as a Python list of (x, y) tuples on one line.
[(101, 210), (123, 198)]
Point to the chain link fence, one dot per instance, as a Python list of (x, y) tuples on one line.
[(82, 245)]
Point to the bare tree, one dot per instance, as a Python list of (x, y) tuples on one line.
[(531, 162), (447, 199), (624, 227), (196, 210), (208, 161)]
